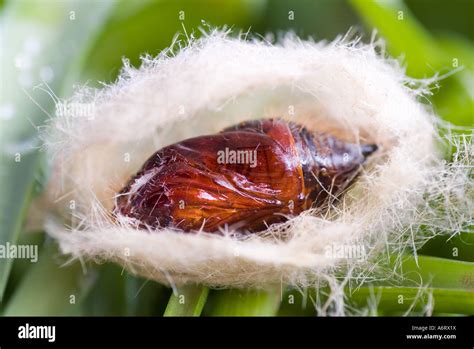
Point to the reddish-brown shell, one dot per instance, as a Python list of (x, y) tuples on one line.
[(187, 185)]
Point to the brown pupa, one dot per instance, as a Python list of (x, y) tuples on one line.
[(246, 177)]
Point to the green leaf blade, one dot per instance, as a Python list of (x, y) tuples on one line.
[(188, 301), (40, 38)]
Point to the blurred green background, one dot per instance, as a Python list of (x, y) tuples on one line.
[(50, 46)]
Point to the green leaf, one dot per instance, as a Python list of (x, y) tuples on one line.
[(234, 302), (117, 293), (148, 27), (458, 47), (405, 35), (145, 297), (40, 40), (459, 247), (442, 15), (21, 266), (48, 288), (424, 56), (413, 299), (424, 273), (456, 99), (311, 18), (107, 296), (437, 272), (187, 301), (386, 300), (297, 302)]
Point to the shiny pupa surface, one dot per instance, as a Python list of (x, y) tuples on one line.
[(246, 177)]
